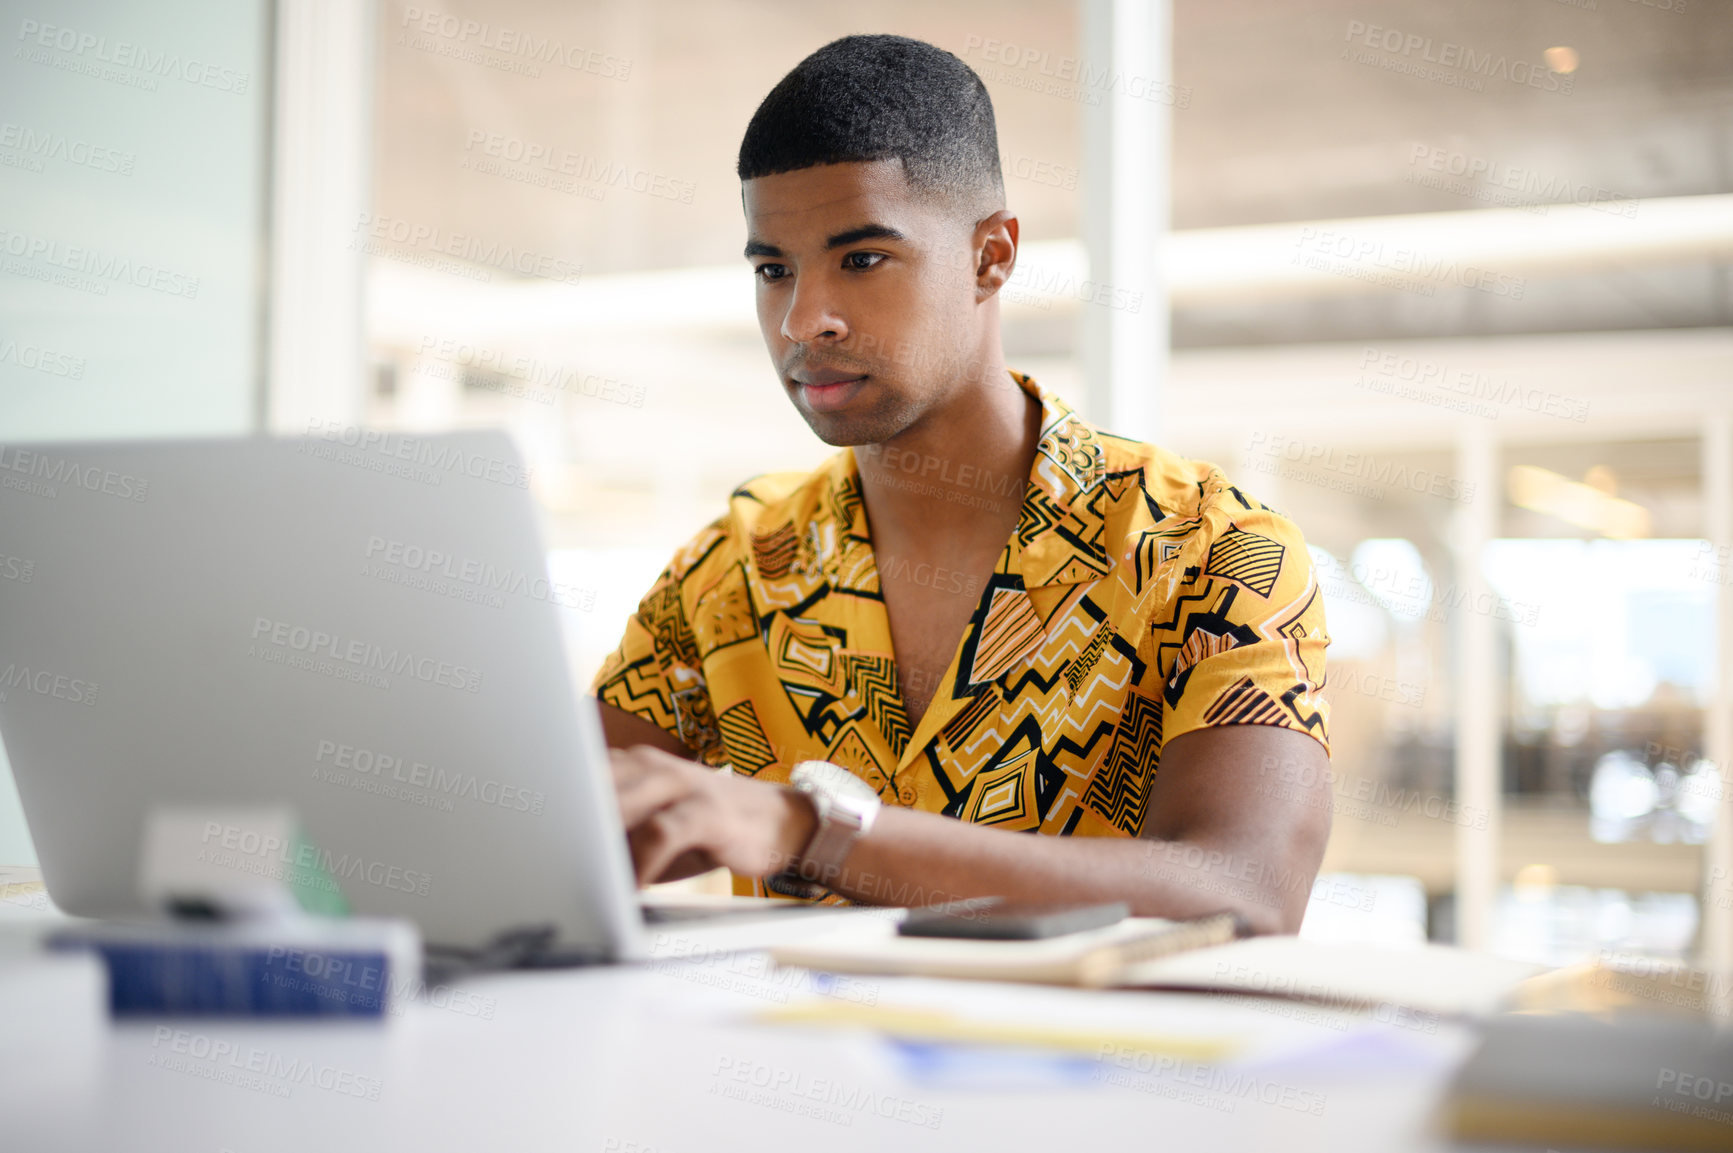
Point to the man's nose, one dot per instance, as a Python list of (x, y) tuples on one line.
[(812, 314)]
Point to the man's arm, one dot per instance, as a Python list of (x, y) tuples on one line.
[(623, 730), (1224, 832)]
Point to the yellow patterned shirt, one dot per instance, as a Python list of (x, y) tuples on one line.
[(1141, 596)]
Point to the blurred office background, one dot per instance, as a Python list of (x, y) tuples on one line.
[(1449, 285)]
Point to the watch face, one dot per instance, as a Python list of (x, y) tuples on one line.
[(832, 779)]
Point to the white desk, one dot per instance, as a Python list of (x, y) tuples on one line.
[(664, 1059)]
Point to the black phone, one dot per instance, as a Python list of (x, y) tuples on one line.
[(996, 919)]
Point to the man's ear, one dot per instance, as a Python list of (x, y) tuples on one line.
[(995, 248)]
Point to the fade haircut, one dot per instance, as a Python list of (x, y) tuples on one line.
[(867, 98)]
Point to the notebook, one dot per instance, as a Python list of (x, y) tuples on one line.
[(1093, 958), (1629, 1081), (1438, 979)]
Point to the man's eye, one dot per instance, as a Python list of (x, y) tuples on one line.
[(770, 272), (861, 261)]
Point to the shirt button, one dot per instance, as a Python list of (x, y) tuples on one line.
[(906, 794)]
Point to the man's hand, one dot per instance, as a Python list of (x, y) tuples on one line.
[(682, 818)]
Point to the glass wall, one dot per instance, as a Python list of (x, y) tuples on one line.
[(1609, 795), (133, 149)]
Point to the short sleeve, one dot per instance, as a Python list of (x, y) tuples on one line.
[(1253, 635), (655, 673)]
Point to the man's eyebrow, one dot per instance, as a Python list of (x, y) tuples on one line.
[(864, 232), (840, 240)]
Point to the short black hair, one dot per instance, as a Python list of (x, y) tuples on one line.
[(874, 97)]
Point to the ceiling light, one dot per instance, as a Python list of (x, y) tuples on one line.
[(1544, 491), (1561, 60), (1603, 479)]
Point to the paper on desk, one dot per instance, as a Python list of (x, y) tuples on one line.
[(953, 1067), (875, 947), (1432, 978), (931, 1024), (22, 893), (1093, 1024)]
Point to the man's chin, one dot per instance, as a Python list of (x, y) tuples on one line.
[(840, 430), (854, 425)]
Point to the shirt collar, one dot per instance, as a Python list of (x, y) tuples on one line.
[(1060, 535), (1062, 530)]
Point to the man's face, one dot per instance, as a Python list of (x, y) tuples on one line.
[(867, 295)]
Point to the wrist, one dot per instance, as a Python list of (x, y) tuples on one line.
[(797, 823)]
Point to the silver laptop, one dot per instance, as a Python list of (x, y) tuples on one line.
[(356, 625)]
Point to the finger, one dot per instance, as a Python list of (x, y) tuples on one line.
[(689, 864), (665, 836), (642, 785), (640, 842)]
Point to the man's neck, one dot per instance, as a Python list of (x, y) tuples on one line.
[(961, 470)]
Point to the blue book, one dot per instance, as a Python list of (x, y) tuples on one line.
[(268, 967)]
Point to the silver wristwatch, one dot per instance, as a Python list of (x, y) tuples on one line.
[(847, 807)]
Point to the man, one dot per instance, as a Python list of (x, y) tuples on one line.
[(995, 618)]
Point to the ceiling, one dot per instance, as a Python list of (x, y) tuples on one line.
[(1277, 124)]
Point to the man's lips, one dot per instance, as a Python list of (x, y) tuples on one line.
[(827, 376), (825, 391)]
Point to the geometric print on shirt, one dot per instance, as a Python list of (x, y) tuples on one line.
[(1141, 596)]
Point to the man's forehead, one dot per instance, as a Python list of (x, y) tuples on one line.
[(824, 195)]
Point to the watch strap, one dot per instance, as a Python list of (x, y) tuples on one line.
[(842, 819), (839, 826)]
